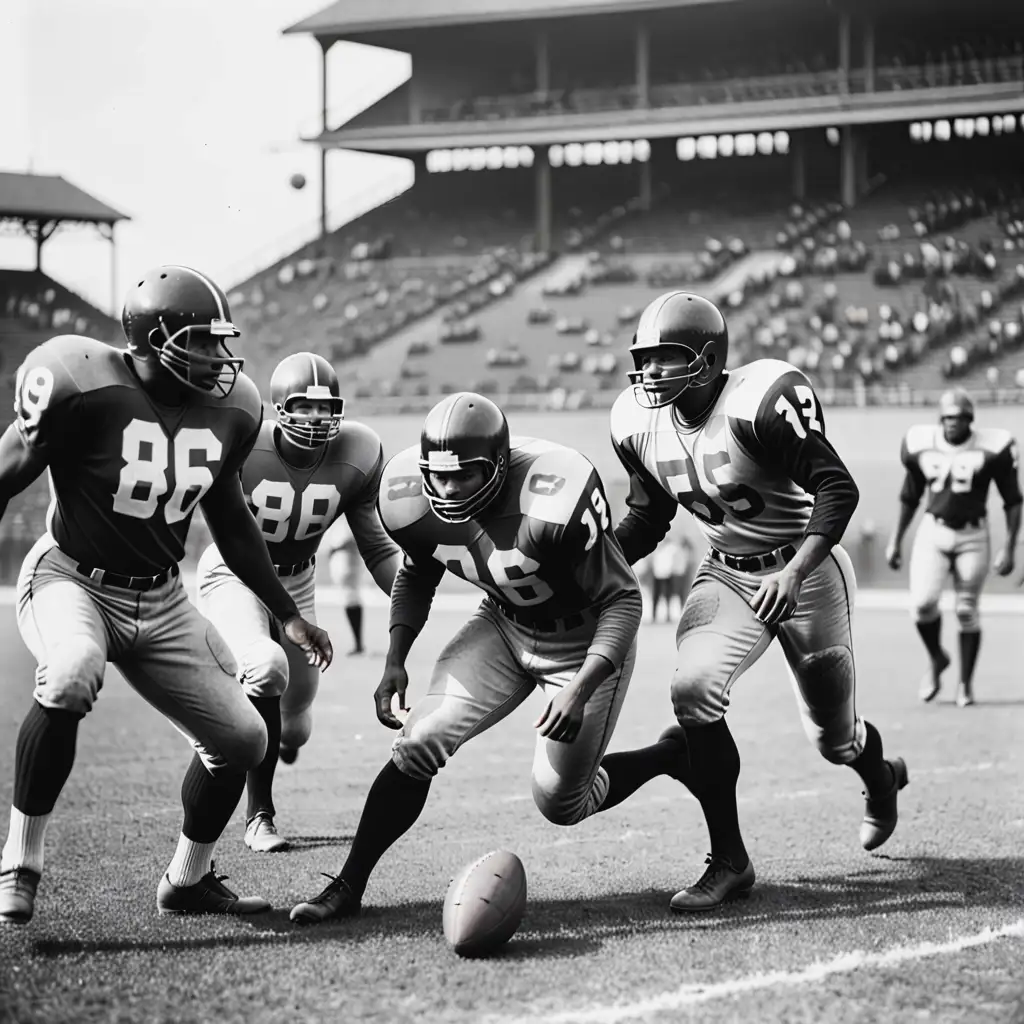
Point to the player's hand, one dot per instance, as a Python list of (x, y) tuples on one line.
[(893, 555), (563, 717), (777, 596), (1003, 565), (395, 680), (313, 640)]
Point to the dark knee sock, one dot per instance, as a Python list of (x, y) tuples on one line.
[(715, 770), (628, 770), (931, 633), (970, 642), (260, 780), (870, 765), (45, 754), (209, 801), (354, 614), (392, 806)]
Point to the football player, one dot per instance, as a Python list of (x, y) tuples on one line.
[(954, 464), (307, 468), (134, 440), (745, 453), (527, 522), (346, 570)]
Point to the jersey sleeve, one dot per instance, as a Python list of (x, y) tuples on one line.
[(46, 400), (412, 592), (789, 432), (240, 452), (651, 509), (375, 547), (914, 482), (588, 543), (1006, 473)]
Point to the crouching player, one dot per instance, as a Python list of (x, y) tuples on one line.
[(306, 469)]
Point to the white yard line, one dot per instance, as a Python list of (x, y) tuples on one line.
[(846, 963)]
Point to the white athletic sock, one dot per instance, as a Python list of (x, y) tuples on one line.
[(190, 862), (24, 846)]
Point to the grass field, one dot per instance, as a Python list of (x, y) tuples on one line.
[(929, 928)]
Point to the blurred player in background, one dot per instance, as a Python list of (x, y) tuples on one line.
[(308, 467), (134, 440), (954, 463), (527, 522), (346, 568), (745, 452)]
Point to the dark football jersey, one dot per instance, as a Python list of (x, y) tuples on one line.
[(756, 473), (295, 507), (126, 473), (956, 478), (544, 549)]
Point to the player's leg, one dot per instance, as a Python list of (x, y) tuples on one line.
[(818, 644), (570, 780), (970, 568), (476, 683), (718, 639), (65, 633), (343, 577), (263, 670), (183, 667), (929, 568)]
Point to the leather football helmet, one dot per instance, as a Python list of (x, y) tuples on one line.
[(463, 430), (690, 323), (165, 311), (308, 376), (956, 402)]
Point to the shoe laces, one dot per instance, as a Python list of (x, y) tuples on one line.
[(336, 886), (716, 865)]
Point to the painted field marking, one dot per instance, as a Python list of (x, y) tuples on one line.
[(845, 963)]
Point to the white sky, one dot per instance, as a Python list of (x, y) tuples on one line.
[(185, 115)]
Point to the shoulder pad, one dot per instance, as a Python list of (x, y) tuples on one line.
[(553, 483), (530, 446), (79, 364), (628, 417), (265, 438), (919, 438), (993, 439), (748, 385), (402, 501), (357, 445)]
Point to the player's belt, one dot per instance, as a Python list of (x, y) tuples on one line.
[(960, 524), (116, 579), (293, 570), (575, 620), (755, 563)]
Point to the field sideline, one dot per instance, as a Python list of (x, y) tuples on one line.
[(929, 928)]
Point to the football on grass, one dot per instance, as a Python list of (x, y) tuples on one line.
[(485, 904)]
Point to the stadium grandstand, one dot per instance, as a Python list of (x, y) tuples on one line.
[(844, 178)]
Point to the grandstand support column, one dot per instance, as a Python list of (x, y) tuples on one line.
[(645, 185), (869, 55), (325, 46), (798, 158), (844, 51), (643, 66), (849, 186), (542, 172), (543, 83), (107, 231)]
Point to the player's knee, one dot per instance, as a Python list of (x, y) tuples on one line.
[(72, 675), (419, 753), (967, 613), (568, 802), (264, 669), (827, 685), (248, 744), (296, 728), (926, 610), (698, 695)]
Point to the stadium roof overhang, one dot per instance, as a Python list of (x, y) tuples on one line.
[(38, 204), (768, 115), (350, 19)]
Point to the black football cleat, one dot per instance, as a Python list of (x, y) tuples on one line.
[(335, 902), (18, 895), (720, 883), (880, 812), (931, 681), (208, 896)]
